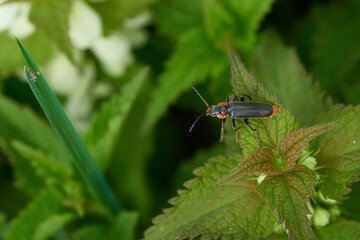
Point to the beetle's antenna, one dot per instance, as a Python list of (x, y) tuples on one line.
[(192, 126), (200, 97)]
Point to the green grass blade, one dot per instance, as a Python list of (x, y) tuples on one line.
[(82, 159)]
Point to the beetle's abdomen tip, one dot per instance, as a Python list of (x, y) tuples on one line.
[(276, 110)]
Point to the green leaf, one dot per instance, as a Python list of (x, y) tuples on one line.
[(91, 232), (259, 162), (41, 170), (43, 207), (18, 122), (341, 230), (9, 61), (124, 225), (233, 24), (288, 194), (46, 166), (271, 162), (280, 70), (335, 65), (339, 173), (350, 206), (195, 59), (51, 225), (217, 19), (291, 146), (177, 17), (186, 167), (128, 166), (52, 17), (24, 174), (21, 123), (82, 159), (233, 211), (114, 12), (271, 130), (103, 133), (4, 228), (339, 153)]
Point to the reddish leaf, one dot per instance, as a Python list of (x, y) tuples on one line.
[(288, 194), (293, 143), (260, 161)]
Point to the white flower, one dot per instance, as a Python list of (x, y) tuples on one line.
[(261, 178), (310, 162), (133, 29), (14, 17), (7, 15), (85, 25), (114, 53), (61, 74), (321, 217)]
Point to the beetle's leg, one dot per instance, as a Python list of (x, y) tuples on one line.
[(233, 99), (248, 124), (242, 97), (222, 129), (227, 100), (257, 136), (234, 125), (237, 130)]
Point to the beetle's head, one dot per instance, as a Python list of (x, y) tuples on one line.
[(213, 111)]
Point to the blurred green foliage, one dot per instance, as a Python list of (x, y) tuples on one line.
[(306, 53)]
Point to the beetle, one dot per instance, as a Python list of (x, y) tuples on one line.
[(238, 110)]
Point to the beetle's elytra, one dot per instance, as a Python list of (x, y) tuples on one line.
[(238, 110)]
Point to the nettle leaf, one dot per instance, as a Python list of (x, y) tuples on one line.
[(270, 131), (52, 224), (288, 194), (217, 19), (51, 17), (186, 167), (291, 146), (46, 166), (232, 211), (103, 133), (23, 129), (274, 161), (341, 230), (234, 23), (198, 58), (286, 77), (259, 162), (24, 174), (339, 173), (340, 148), (176, 17), (48, 170), (43, 207)]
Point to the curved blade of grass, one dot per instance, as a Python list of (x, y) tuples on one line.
[(82, 159)]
